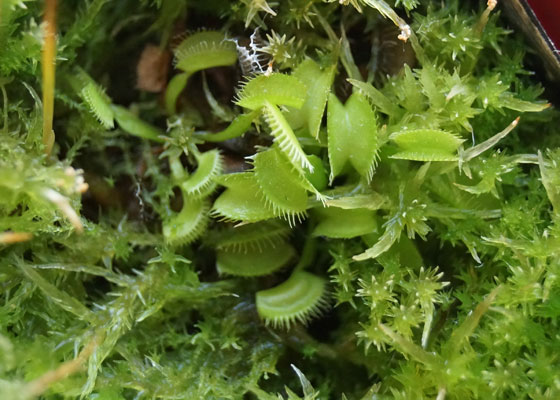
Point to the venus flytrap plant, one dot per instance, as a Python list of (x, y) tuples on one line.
[(319, 83), (294, 180), (197, 52), (426, 145), (305, 295), (344, 224), (251, 237), (201, 182), (254, 262), (344, 123), (276, 89), (280, 185), (100, 105), (265, 92), (284, 135), (283, 188), (94, 97), (297, 299), (204, 50), (237, 128), (190, 222), (238, 202)]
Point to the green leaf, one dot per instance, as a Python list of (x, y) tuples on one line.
[(469, 324), (352, 133), (344, 224), (411, 349), (187, 225), (550, 177), (237, 128), (268, 258), (99, 104), (204, 50), (281, 185), (377, 99), (317, 178), (173, 90), (309, 392), (130, 123), (508, 101), (239, 202), (201, 182), (54, 294), (285, 137), (319, 84), (480, 148), (197, 52), (370, 201), (426, 145), (275, 89), (300, 298), (384, 243), (252, 236)]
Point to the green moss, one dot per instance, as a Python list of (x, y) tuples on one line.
[(195, 250)]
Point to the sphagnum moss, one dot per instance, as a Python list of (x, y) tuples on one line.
[(189, 244)]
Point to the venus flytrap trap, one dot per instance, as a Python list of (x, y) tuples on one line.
[(297, 299), (101, 107), (94, 97), (284, 135), (338, 223), (251, 237), (279, 186), (238, 202), (276, 89), (319, 82), (201, 183), (190, 222), (354, 119), (257, 262), (197, 52), (426, 145)]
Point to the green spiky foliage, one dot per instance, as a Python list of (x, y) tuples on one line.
[(287, 218)]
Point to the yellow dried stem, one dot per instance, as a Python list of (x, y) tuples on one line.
[(63, 205), (14, 237), (48, 68), (490, 5)]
